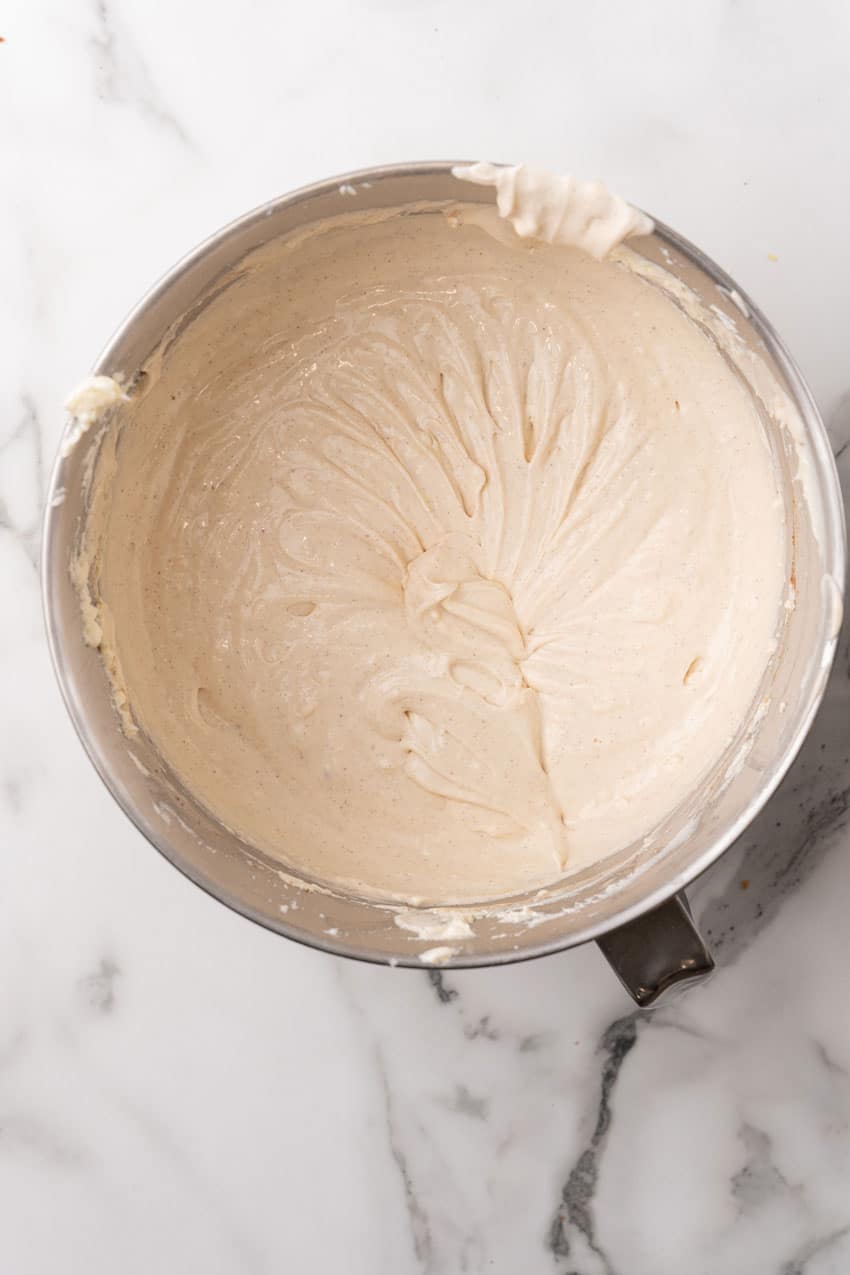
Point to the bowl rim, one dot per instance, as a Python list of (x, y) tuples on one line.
[(834, 553)]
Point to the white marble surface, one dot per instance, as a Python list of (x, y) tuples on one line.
[(181, 1091)]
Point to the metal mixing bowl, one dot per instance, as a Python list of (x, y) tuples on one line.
[(631, 903)]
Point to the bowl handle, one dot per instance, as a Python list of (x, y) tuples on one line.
[(658, 950)]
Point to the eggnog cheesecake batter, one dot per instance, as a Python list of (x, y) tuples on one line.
[(437, 562)]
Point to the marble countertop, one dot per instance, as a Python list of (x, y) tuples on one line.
[(182, 1091)]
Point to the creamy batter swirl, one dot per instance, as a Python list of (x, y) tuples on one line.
[(438, 565)]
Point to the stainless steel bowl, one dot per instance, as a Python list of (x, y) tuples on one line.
[(632, 903)]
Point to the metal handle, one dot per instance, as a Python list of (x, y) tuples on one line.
[(657, 951)]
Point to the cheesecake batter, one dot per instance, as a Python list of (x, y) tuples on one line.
[(436, 562)]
